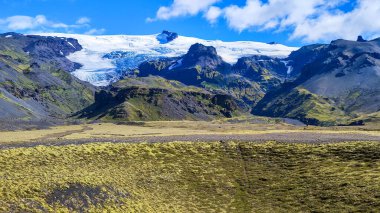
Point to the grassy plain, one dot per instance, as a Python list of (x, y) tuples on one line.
[(171, 128), (192, 177), (188, 176)]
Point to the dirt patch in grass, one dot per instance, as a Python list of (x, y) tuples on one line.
[(60, 135), (80, 198)]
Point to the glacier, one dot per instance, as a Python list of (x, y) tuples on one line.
[(107, 58)]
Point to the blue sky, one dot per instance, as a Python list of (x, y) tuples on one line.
[(291, 22)]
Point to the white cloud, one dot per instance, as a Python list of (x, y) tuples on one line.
[(83, 20), (274, 14), (24, 22), (183, 8), (39, 23), (308, 20), (312, 20), (95, 31), (213, 14), (363, 20)]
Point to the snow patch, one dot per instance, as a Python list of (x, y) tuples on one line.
[(71, 44), (290, 68), (176, 64), (102, 71)]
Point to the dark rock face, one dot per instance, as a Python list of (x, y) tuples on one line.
[(159, 67), (257, 64), (200, 55), (50, 46), (307, 54), (361, 39), (272, 43), (45, 48), (267, 71), (35, 83), (166, 37), (200, 64)]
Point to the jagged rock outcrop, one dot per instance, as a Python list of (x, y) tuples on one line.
[(361, 39), (200, 64), (267, 71), (203, 56), (166, 37)]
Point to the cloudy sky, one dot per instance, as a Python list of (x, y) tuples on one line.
[(291, 22)]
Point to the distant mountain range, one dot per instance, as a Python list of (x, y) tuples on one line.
[(106, 59), (170, 77)]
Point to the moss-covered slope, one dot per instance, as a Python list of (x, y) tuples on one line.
[(155, 98), (35, 79), (305, 106)]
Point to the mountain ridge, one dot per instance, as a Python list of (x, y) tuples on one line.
[(342, 80), (102, 71)]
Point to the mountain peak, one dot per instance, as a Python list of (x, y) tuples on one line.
[(361, 39), (198, 50), (166, 37), (204, 56)]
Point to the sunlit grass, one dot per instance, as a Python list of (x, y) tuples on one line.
[(30, 135), (192, 177), (168, 128)]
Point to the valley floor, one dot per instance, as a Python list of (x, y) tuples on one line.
[(220, 166), (192, 131)]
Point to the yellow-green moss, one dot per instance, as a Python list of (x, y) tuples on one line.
[(192, 177), (19, 56)]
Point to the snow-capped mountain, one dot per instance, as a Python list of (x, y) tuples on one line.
[(107, 58)]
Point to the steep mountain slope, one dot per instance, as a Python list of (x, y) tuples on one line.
[(305, 55), (340, 82), (201, 66), (35, 79), (155, 98), (269, 72), (106, 59)]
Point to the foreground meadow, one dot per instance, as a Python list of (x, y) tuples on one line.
[(192, 177)]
